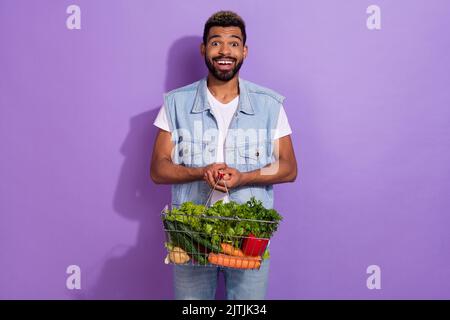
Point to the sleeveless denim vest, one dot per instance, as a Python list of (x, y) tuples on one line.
[(249, 143)]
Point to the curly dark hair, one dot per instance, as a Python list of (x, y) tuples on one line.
[(224, 19)]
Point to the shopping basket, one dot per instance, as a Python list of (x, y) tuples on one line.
[(197, 235)]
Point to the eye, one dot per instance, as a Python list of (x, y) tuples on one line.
[(235, 44), (214, 43)]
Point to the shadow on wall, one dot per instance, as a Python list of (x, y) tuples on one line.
[(140, 272)]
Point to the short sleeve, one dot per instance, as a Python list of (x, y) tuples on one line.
[(161, 120), (283, 127)]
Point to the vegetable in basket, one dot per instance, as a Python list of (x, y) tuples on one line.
[(234, 262), (222, 223), (177, 255), (231, 250)]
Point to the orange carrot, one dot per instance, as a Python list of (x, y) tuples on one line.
[(234, 262), (232, 251)]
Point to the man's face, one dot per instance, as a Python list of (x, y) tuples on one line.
[(224, 52)]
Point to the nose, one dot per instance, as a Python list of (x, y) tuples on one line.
[(225, 50)]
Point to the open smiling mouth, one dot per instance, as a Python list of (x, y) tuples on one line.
[(224, 64)]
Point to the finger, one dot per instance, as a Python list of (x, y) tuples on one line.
[(229, 170), (206, 178), (220, 175), (220, 165), (211, 179), (216, 174), (208, 174), (220, 188), (223, 183)]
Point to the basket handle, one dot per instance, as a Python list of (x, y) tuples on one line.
[(208, 200)]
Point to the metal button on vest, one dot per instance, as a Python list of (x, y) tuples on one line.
[(180, 153), (180, 138), (257, 153)]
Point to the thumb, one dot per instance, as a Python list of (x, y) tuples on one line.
[(228, 170)]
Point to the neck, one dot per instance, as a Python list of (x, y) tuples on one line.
[(224, 91)]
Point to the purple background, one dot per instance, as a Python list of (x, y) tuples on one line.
[(369, 112)]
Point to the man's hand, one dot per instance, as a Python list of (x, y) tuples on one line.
[(232, 177), (212, 172)]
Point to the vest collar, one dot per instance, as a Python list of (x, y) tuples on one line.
[(201, 102)]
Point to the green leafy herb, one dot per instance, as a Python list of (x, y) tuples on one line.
[(250, 217)]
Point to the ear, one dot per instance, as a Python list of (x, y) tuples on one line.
[(202, 49), (245, 51)]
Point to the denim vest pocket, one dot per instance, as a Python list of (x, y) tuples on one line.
[(190, 153), (252, 155)]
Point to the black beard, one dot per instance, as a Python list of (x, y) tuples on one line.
[(223, 76)]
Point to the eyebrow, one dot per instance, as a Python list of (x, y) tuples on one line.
[(231, 36)]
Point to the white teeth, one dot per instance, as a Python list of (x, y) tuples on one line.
[(224, 62)]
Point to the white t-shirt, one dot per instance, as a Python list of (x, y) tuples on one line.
[(224, 113)]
